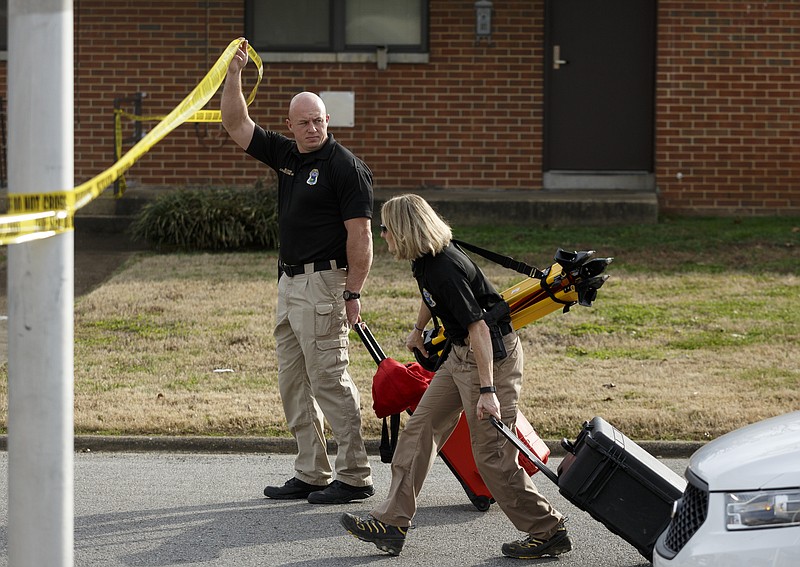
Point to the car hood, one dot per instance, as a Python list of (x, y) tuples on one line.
[(762, 455)]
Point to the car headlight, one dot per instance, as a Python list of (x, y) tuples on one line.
[(762, 509)]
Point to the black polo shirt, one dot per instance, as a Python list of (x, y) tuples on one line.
[(317, 192), (454, 289)]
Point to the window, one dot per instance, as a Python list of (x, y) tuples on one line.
[(337, 26), (3, 25)]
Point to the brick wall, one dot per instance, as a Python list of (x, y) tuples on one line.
[(727, 100), (470, 118), (728, 107), (162, 49)]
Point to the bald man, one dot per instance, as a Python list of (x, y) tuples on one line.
[(324, 217)]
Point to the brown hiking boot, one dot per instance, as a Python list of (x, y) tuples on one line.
[(386, 538), (533, 548)]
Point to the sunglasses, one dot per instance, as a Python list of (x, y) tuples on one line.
[(384, 229)]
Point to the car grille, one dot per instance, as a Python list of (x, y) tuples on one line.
[(691, 512)]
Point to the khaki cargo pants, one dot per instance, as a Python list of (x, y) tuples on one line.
[(455, 388), (311, 335)]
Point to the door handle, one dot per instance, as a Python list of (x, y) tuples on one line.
[(557, 61)]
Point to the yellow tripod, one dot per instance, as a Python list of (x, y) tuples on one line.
[(574, 277)]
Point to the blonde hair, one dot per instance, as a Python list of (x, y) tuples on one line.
[(416, 228)]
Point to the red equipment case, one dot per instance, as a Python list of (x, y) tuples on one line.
[(457, 455)]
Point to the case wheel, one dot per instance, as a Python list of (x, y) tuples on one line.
[(482, 503)]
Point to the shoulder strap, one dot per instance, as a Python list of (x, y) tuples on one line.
[(389, 434), (505, 261), (516, 265)]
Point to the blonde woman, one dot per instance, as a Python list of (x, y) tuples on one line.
[(481, 376)]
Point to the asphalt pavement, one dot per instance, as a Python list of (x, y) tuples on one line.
[(170, 509)]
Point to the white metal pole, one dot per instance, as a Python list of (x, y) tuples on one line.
[(40, 289)]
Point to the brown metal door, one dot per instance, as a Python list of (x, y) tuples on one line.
[(599, 85)]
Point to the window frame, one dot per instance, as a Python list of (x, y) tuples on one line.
[(337, 44), (4, 38)]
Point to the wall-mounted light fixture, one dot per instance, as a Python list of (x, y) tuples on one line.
[(483, 20)]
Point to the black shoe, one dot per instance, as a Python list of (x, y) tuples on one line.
[(293, 489), (338, 492), (533, 548), (387, 538)]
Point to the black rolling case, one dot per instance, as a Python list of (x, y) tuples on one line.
[(616, 481)]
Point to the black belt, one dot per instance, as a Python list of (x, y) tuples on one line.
[(505, 328), (292, 270)]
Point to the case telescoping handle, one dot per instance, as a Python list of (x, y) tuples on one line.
[(511, 436), (369, 341)]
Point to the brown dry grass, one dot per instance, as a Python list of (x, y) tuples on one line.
[(182, 344)]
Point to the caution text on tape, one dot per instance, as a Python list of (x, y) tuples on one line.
[(40, 215)]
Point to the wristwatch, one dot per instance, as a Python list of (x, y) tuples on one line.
[(348, 295)]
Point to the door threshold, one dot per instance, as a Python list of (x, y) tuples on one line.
[(622, 180)]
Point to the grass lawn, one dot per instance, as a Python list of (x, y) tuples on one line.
[(695, 334)]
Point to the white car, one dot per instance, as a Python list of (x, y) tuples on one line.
[(741, 507)]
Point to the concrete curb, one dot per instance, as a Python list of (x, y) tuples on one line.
[(266, 445)]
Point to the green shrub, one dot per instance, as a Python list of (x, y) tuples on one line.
[(210, 220)]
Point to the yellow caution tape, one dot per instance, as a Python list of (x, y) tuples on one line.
[(40, 215), (200, 116)]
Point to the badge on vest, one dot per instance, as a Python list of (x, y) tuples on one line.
[(313, 177)]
